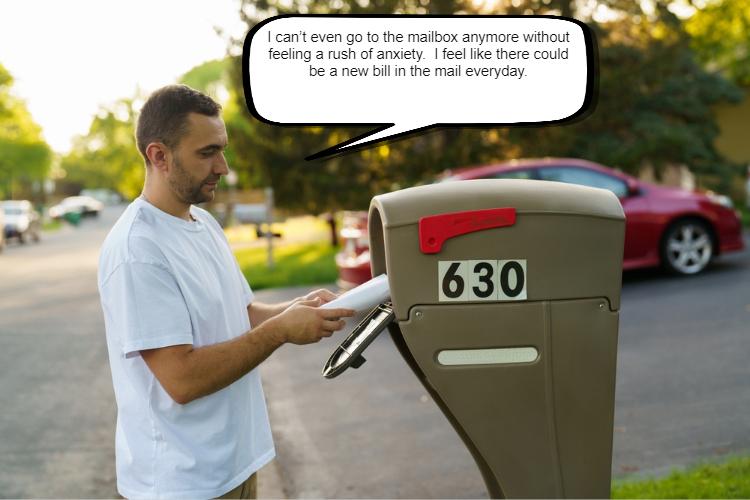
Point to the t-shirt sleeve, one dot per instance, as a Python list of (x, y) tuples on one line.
[(145, 308), (247, 293)]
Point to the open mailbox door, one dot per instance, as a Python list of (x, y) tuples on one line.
[(349, 353)]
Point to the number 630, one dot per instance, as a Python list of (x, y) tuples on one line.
[(493, 280)]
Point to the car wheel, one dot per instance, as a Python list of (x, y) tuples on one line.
[(687, 247), (22, 238)]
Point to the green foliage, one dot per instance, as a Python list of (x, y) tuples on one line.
[(654, 105), (730, 479), (654, 108), (107, 157), (208, 77), (25, 157), (720, 37), (301, 264)]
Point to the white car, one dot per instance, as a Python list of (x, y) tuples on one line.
[(106, 196), (83, 205), (21, 220)]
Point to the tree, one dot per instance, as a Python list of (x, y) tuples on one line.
[(654, 105), (720, 38), (654, 108), (25, 157), (107, 157)]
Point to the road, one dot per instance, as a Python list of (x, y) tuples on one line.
[(58, 414), (682, 394)]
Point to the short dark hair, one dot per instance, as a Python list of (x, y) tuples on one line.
[(163, 117)]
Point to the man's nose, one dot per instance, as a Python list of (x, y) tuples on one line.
[(220, 165)]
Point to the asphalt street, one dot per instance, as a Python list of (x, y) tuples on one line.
[(682, 392)]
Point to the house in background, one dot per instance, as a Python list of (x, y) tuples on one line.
[(734, 140)]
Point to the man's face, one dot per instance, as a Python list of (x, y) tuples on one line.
[(198, 160)]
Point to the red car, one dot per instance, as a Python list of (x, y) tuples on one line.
[(675, 228)]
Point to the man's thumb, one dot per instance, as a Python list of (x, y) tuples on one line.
[(310, 302)]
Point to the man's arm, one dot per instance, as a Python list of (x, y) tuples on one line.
[(188, 373), (259, 312)]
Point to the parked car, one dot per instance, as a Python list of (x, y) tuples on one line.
[(2, 233), (106, 196), (85, 206), (675, 228), (21, 220)]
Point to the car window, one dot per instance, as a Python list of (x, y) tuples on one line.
[(584, 177), (13, 211), (512, 174)]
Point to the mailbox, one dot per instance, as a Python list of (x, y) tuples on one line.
[(505, 297)]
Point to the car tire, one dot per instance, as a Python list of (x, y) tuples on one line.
[(687, 247)]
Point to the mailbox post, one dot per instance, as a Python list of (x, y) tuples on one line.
[(506, 296)]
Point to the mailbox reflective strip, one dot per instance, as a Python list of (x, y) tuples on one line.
[(435, 229), (498, 356)]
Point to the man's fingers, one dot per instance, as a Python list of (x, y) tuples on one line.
[(337, 313), (309, 302), (332, 326), (326, 295)]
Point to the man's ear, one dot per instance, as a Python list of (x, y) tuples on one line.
[(158, 155)]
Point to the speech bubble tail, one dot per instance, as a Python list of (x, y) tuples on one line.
[(386, 132)]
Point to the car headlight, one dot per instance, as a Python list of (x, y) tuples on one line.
[(720, 199)]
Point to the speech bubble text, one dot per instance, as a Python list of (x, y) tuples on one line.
[(407, 73)]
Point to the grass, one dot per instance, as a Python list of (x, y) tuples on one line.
[(52, 225), (295, 264), (729, 479), (295, 229)]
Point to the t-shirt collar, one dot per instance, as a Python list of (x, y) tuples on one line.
[(194, 225)]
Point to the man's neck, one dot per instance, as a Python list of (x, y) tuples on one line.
[(166, 203)]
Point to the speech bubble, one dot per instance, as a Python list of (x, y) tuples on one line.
[(408, 73)]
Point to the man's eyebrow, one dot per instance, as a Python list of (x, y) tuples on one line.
[(212, 147)]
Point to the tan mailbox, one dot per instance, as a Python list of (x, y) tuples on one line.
[(506, 296)]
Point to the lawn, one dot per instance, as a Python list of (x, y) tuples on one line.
[(302, 256), (295, 264), (52, 225), (729, 479)]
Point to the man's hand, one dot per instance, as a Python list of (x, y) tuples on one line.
[(259, 312), (304, 323)]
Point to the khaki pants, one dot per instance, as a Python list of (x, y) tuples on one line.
[(248, 489)]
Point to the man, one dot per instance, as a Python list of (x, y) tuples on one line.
[(183, 331)]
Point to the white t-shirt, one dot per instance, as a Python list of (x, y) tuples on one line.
[(167, 281)]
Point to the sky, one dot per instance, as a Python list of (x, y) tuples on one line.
[(69, 57)]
